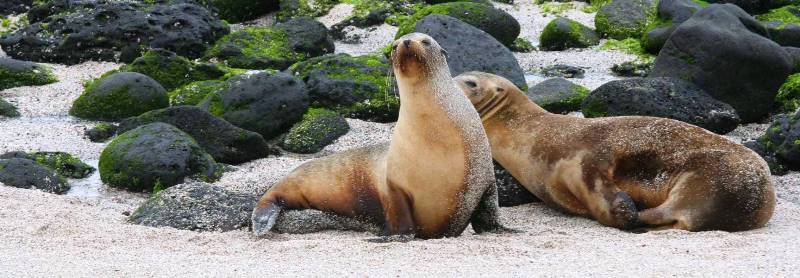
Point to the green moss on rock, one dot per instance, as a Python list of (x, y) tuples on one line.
[(520, 45), (14, 73), (354, 86), (194, 93), (785, 15), (563, 33), (630, 46), (481, 16), (172, 71), (319, 128), (594, 109), (304, 8), (118, 96), (8, 109), (63, 163), (789, 94), (256, 48)]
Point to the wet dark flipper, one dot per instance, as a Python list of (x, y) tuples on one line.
[(486, 217)]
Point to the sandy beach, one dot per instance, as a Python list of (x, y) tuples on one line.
[(85, 233)]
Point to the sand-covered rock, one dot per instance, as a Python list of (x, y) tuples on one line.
[(355, 86), (470, 49), (661, 97), (26, 173), (154, 157), (15, 73), (118, 96), (319, 128), (75, 31), (225, 142), (196, 206), (751, 66), (275, 47), (264, 102)]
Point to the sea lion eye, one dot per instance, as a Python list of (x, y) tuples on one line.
[(500, 89), (471, 84), (426, 42)]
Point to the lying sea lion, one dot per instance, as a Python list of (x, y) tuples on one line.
[(433, 179), (624, 172)]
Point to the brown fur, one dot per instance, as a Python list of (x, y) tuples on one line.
[(624, 172), (427, 182)]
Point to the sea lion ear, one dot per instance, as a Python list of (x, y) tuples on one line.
[(444, 52)]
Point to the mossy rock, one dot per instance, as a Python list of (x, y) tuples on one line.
[(319, 128), (8, 109), (171, 70), (15, 73), (304, 8), (789, 94), (558, 95), (784, 16), (354, 86), (563, 33), (623, 19), (782, 140), (242, 10), (64, 164), (118, 96), (275, 47), (101, 132), (499, 24), (520, 45), (154, 156), (27, 174), (194, 93)]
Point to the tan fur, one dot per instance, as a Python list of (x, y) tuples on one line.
[(426, 182), (677, 175)]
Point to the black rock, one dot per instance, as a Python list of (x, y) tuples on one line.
[(75, 31), (25, 173), (470, 49), (776, 167), (785, 35), (16, 73), (101, 132), (8, 7), (225, 142), (509, 191), (661, 97), (750, 67), (563, 71), (558, 95), (319, 128), (153, 157), (263, 102), (752, 6), (196, 206), (562, 33), (672, 13)]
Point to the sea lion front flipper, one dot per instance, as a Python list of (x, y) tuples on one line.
[(486, 217)]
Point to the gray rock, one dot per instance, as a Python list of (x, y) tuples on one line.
[(470, 49), (558, 95), (509, 191)]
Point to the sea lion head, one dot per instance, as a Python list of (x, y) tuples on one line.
[(486, 91), (416, 56)]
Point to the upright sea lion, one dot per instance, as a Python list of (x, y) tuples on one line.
[(433, 179), (625, 172)]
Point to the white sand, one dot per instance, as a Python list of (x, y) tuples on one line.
[(85, 234)]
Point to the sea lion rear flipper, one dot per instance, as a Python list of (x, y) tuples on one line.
[(264, 218), (486, 217)]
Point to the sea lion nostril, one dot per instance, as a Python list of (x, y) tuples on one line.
[(406, 42), (394, 46)]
